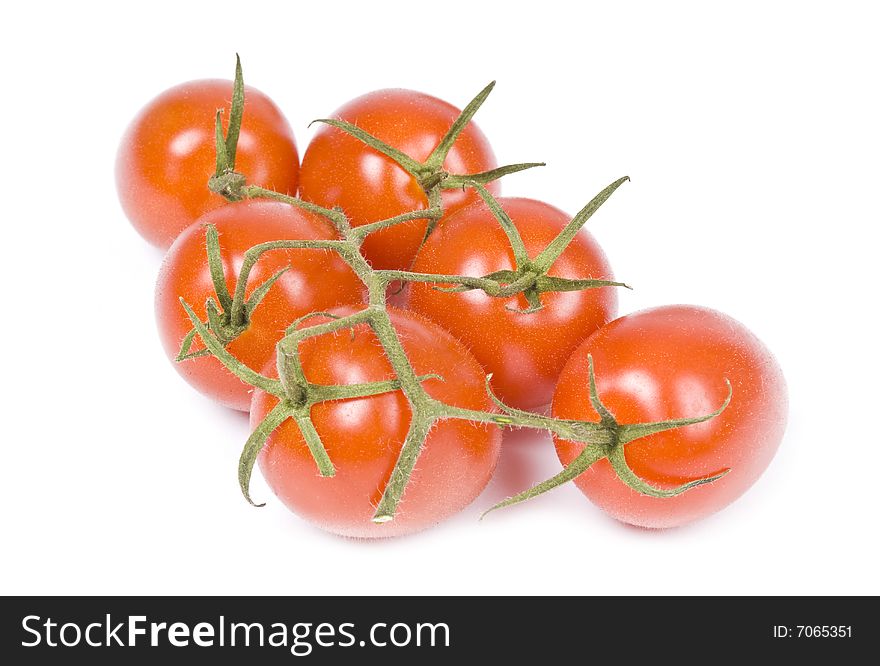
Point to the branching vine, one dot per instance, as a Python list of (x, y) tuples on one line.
[(228, 315)]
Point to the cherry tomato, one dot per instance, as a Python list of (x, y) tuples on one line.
[(666, 363), (363, 436), (167, 156), (524, 352), (340, 170), (316, 280)]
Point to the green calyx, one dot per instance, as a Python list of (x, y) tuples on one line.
[(612, 447), (530, 276), (430, 174), (228, 315)]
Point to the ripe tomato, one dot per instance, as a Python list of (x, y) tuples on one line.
[(524, 352), (340, 170), (167, 156), (363, 436), (316, 280), (666, 363)]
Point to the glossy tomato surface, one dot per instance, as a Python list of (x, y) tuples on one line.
[(524, 352), (363, 436), (339, 170), (167, 156), (316, 280), (666, 363)]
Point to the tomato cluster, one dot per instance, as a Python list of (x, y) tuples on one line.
[(369, 420)]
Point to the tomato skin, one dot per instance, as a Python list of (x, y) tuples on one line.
[(524, 352), (339, 170), (670, 362), (363, 436), (167, 156), (316, 280)]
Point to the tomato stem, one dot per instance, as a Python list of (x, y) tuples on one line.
[(602, 440), (313, 441), (406, 461), (256, 192), (361, 232), (296, 395)]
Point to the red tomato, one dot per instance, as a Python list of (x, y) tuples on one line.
[(167, 156), (666, 363), (316, 280), (339, 170), (363, 436), (524, 352)]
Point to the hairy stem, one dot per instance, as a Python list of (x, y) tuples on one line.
[(297, 395)]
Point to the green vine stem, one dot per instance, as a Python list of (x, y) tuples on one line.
[(231, 318), (296, 394)]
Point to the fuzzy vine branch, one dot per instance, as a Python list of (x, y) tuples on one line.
[(295, 391), (365, 230), (296, 395)]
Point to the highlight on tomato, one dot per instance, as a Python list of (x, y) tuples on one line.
[(282, 285), (673, 362), (339, 168), (523, 345), (363, 436), (168, 154)]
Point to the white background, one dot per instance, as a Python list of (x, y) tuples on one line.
[(750, 134)]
